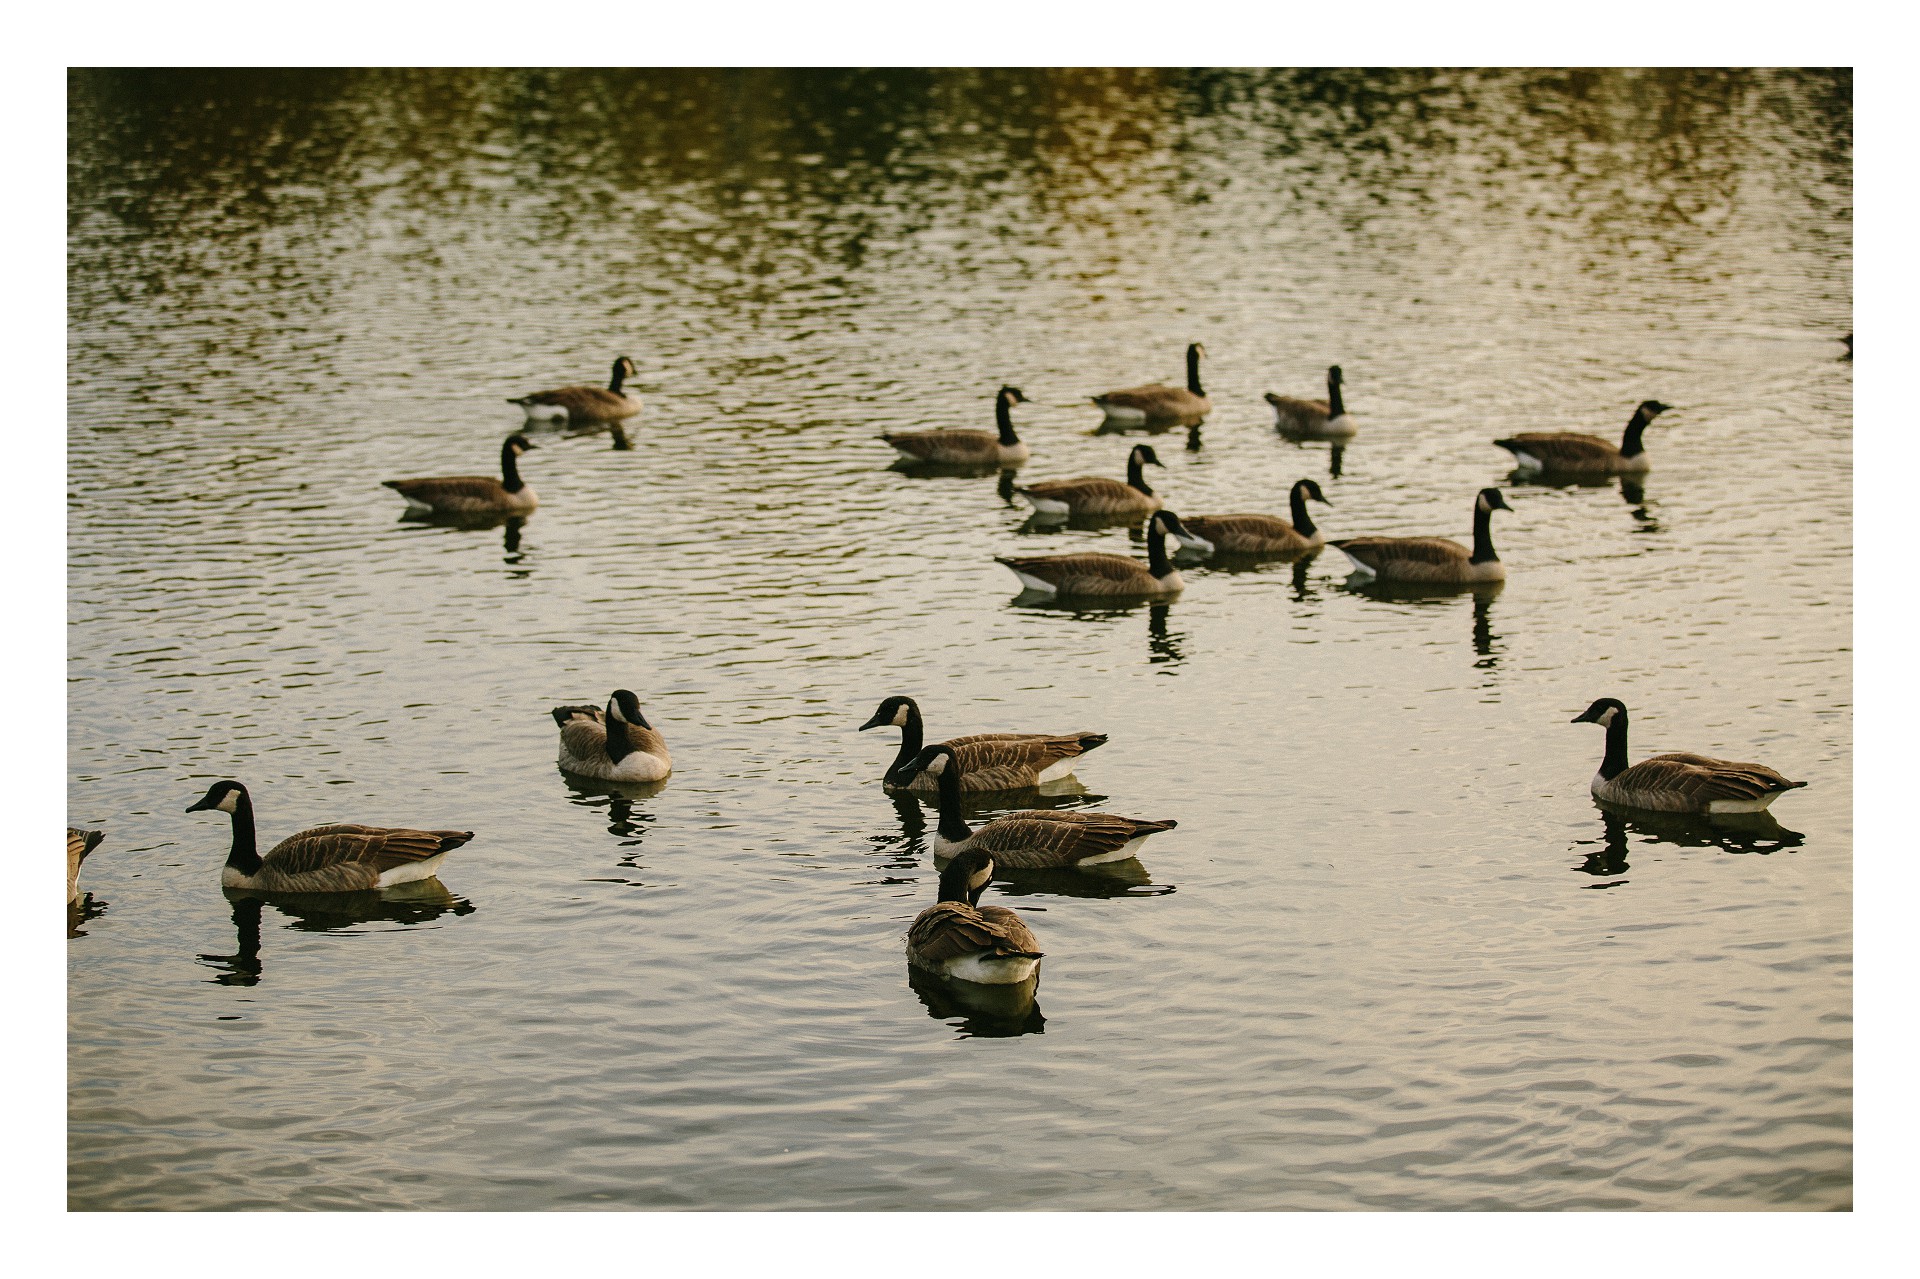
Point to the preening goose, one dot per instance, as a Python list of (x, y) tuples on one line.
[(956, 937), (474, 494), (1437, 560), (989, 761), (1678, 783), (1157, 403), (960, 447), (1264, 534), (1098, 573), (1315, 419), (79, 844), (1096, 494), (1571, 453), (1036, 838), (325, 859), (617, 746), (585, 403)]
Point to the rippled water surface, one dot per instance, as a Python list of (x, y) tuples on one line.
[(1393, 957)]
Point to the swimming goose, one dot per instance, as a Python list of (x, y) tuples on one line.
[(1157, 403), (1571, 453), (1321, 419), (956, 937), (1432, 559), (325, 859), (1678, 783), (79, 844), (1098, 573), (989, 761), (474, 494), (968, 447), (1035, 838), (585, 403), (1097, 494), (617, 746), (1264, 534)]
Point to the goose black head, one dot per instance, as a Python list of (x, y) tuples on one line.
[(223, 797), (1013, 395), (1490, 500), (1195, 351), (1147, 456), (625, 707), (625, 367), (894, 710), (519, 443), (966, 877), (1651, 409), (1312, 490), (1602, 712), (1335, 375), (1166, 522), (935, 759)]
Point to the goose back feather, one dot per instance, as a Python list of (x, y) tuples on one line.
[(585, 403), (1436, 560), (342, 858), (474, 494)]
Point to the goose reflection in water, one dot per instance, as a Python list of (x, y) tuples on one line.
[(418, 902), (625, 823), (1165, 645), (79, 912), (1739, 833), (983, 1012), (1633, 491)]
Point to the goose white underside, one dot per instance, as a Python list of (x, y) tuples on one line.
[(1046, 505), (1032, 583), (1054, 772), (1655, 804), (415, 506), (411, 871), (1124, 416), (545, 412), (1342, 425), (991, 970), (637, 767), (1527, 461), (1744, 805), (1358, 567)]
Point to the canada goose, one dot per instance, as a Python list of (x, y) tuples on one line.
[(1157, 403), (1677, 783), (955, 937), (1321, 419), (968, 447), (325, 859), (989, 761), (1035, 838), (474, 494), (1265, 534), (1571, 453), (79, 844), (585, 403), (617, 746), (1098, 573), (1097, 494), (1432, 559)]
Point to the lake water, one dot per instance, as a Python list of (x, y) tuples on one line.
[(1393, 957)]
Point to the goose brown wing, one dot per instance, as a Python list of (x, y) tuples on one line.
[(954, 930), (947, 445), (584, 738), (1703, 778), (1243, 532), (1086, 565), (474, 488), (561, 714), (1052, 838), (379, 846), (1151, 396), (1375, 551), (81, 842), (1303, 412), (580, 399), (1031, 752), (1088, 488), (1561, 448)]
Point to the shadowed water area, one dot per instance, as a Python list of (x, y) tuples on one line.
[(1393, 956)]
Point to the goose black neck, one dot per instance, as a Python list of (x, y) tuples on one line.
[(1483, 534), (1193, 371), (953, 824), (244, 856), (1302, 522), (1003, 418), (619, 739), (619, 377), (1630, 445), (1615, 762), (1335, 408), (1157, 562), (510, 469), (910, 735), (954, 887), (1136, 474)]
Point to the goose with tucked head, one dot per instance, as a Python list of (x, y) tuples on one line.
[(325, 859), (1676, 783), (79, 844), (957, 937), (615, 745), (474, 494), (1140, 405), (961, 447), (579, 404), (1099, 495), (1436, 560), (1033, 839), (1326, 419), (991, 761), (1571, 453), (1265, 534), (1096, 573)]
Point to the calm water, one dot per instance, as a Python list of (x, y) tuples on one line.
[(1392, 958)]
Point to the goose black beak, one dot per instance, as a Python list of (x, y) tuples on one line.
[(1584, 717), (877, 720), (198, 805)]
